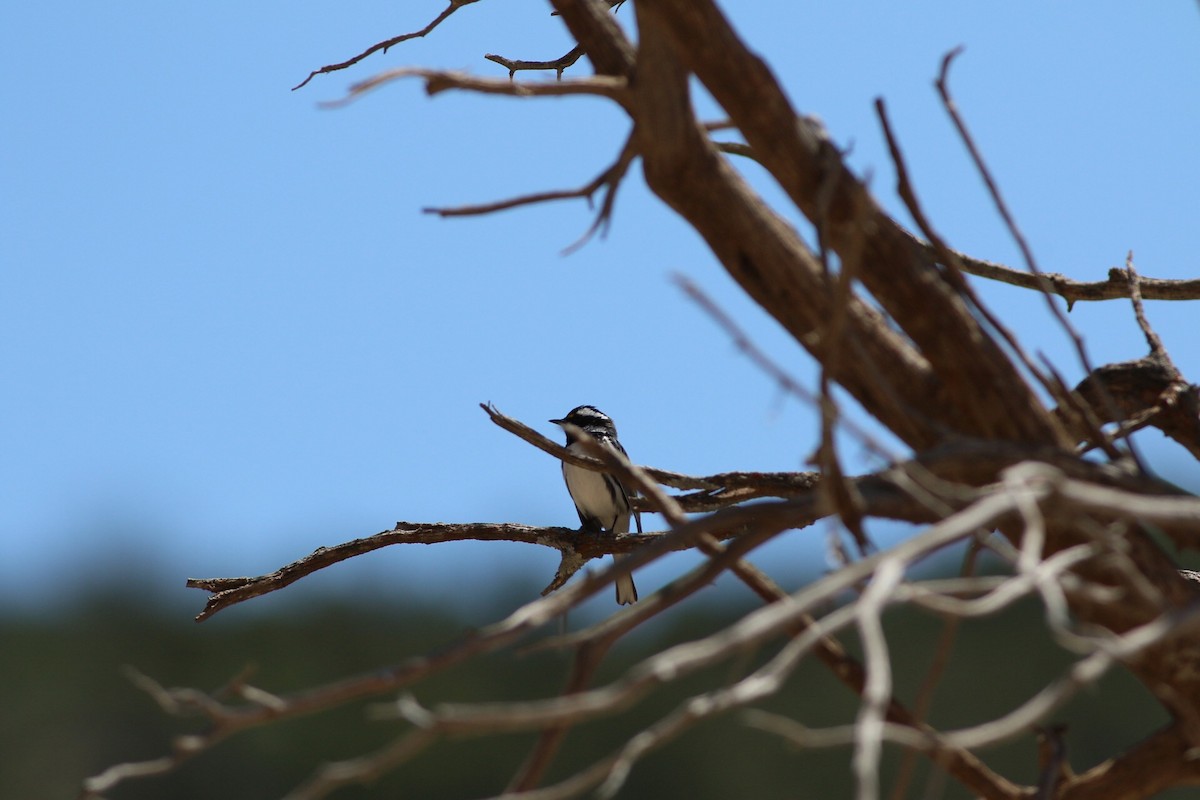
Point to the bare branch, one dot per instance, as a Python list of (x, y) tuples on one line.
[(980, 165), (612, 181), (97, 785), (609, 179), (1161, 761), (437, 81), (330, 777), (891, 320), (933, 674), (905, 282), (1116, 287), (588, 656), (757, 523), (882, 496), (779, 375), (1083, 673), (782, 484), (606, 45), (227, 720), (585, 191), (230, 591), (558, 65), (1052, 760), (1148, 391), (750, 631), (950, 258), (868, 730), (1027, 254), (1135, 295), (438, 20), (683, 659)]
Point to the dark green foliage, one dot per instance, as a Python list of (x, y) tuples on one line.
[(68, 711)]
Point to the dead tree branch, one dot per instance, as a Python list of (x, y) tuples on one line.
[(385, 45), (438, 81), (559, 65), (892, 322), (1115, 287)]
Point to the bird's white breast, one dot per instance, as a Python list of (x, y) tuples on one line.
[(590, 493), (592, 496)]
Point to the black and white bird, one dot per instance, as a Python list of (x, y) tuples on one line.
[(600, 498)]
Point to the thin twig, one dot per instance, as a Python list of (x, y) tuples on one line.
[(785, 381), (609, 180), (1015, 231), (1157, 350), (612, 181), (227, 720), (610, 772), (558, 65), (787, 483), (950, 258), (385, 45), (933, 676), (438, 81), (363, 769), (1116, 287), (752, 630), (588, 657)]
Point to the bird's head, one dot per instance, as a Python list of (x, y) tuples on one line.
[(590, 419)]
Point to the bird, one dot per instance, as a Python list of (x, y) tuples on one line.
[(600, 498)]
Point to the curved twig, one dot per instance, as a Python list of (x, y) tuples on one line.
[(385, 45)]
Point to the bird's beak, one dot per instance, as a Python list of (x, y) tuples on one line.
[(558, 422)]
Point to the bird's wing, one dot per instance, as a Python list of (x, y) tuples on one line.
[(629, 491)]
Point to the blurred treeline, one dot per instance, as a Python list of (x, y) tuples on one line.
[(67, 710)]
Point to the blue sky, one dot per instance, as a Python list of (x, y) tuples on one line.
[(229, 335)]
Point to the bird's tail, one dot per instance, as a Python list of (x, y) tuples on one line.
[(626, 590)]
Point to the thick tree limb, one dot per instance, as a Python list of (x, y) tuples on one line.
[(1058, 389), (670, 664), (1150, 391), (751, 631), (1146, 392), (599, 35), (978, 392), (759, 522), (1115, 287), (887, 494), (1163, 760), (990, 457), (764, 254)]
